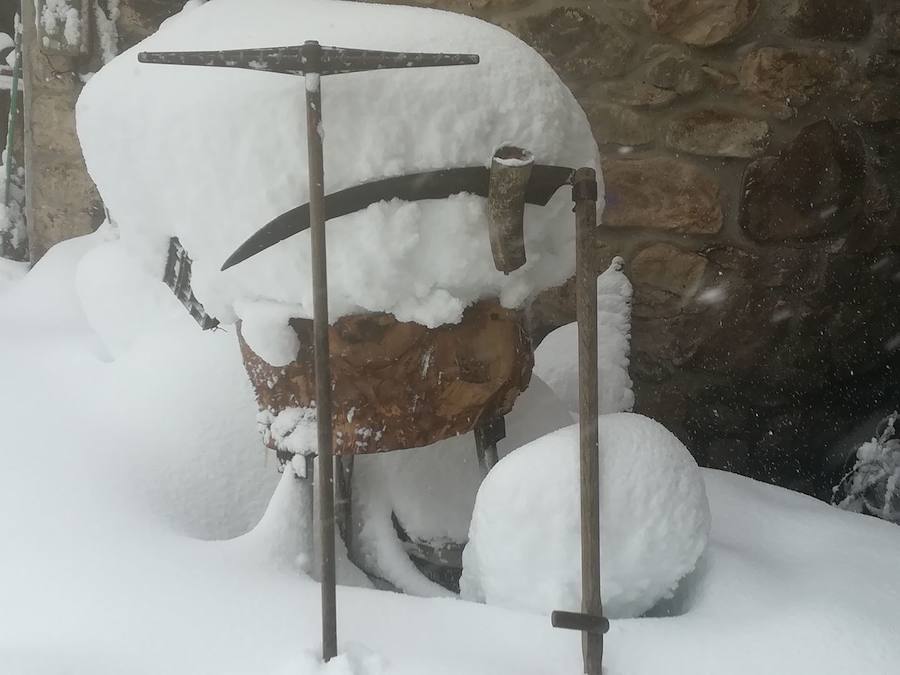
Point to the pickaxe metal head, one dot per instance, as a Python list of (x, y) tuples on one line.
[(544, 181), (310, 57)]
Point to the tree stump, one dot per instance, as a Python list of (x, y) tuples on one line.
[(399, 385)]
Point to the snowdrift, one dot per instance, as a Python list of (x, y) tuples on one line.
[(524, 542)]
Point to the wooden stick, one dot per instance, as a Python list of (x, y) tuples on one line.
[(312, 51), (510, 171), (584, 194)]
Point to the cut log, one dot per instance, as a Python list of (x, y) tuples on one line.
[(399, 385)]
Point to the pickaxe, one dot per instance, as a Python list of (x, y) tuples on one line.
[(512, 180), (313, 60)]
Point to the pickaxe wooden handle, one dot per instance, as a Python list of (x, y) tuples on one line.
[(545, 180)]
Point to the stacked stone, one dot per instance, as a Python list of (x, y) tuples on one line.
[(751, 161)]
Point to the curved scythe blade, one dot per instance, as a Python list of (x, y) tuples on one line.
[(545, 180)]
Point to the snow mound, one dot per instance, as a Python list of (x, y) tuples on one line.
[(218, 152), (556, 358), (122, 301), (524, 541), (432, 490), (11, 271)]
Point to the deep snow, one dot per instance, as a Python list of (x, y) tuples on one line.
[(218, 152), (525, 536), (115, 474)]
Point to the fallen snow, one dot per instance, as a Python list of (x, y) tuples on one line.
[(218, 152), (115, 476), (431, 490), (556, 357), (524, 543)]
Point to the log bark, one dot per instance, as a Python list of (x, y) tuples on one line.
[(398, 385)]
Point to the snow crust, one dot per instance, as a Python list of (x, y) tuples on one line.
[(119, 478), (218, 152), (524, 542), (556, 357)]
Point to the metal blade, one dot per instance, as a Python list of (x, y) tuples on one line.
[(545, 180), (341, 60), (295, 60), (287, 60)]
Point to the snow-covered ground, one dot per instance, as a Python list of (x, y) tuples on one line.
[(129, 451)]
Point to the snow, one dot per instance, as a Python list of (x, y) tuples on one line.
[(432, 490), (11, 271), (59, 16), (556, 358), (524, 542), (120, 479), (292, 430), (213, 179)]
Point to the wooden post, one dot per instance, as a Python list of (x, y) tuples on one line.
[(312, 53), (584, 194)]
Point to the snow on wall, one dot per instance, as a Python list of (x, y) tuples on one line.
[(212, 154)]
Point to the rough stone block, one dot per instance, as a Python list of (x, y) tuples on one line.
[(830, 19), (52, 123), (617, 124), (794, 75), (674, 71), (661, 193), (577, 43), (812, 189), (665, 277), (635, 94), (700, 22), (718, 133)]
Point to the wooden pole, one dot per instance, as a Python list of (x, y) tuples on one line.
[(312, 52), (584, 194)]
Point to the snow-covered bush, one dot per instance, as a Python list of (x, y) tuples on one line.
[(873, 484), (524, 541)]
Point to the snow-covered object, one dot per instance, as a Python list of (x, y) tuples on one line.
[(122, 301), (100, 574), (556, 358), (212, 154), (873, 485), (432, 490), (524, 541)]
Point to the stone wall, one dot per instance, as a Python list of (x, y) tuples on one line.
[(61, 200), (752, 161)]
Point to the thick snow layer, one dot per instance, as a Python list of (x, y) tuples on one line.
[(122, 301), (524, 542), (212, 154), (556, 358), (10, 272), (432, 490), (106, 506)]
